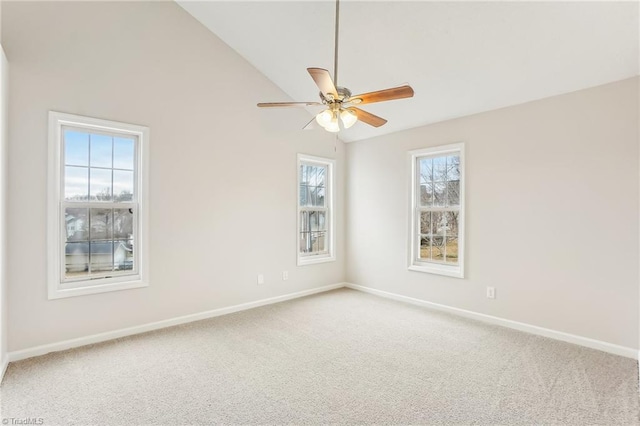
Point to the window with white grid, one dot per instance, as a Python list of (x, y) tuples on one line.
[(96, 205), (315, 210), (437, 210)]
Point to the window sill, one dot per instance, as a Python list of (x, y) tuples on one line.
[(92, 288), (434, 268), (312, 260)]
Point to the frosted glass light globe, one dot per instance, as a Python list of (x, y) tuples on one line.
[(348, 118), (324, 118), (333, 125)]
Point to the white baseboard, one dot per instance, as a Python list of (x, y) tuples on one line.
[(533, 329), (110, 335), (3, 368)]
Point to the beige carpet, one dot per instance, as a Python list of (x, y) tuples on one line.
[(337, 357)]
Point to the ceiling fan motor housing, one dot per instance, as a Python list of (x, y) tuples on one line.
[(343, 93)]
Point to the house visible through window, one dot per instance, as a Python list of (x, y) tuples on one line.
[(437, 210), (315, 210), (97, 205)]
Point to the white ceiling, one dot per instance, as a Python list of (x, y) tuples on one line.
[(461, 58)]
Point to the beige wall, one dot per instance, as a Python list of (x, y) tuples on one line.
[(552, 185), (4, 101), (222, 171), (552, 213)]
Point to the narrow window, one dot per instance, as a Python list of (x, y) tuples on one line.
[(97, 208), (437, 210), (315, 210)]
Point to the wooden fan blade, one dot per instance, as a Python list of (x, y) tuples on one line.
[(287, 104), (399, 92), (323, 81), (367, 117)]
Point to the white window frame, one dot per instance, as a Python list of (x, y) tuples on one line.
[(330, 256), (57, 286), (415, 263)]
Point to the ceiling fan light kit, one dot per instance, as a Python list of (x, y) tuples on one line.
[(330, 118), (338, 100)]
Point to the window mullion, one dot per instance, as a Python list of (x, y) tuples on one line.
[(313, 209), (98, 205)]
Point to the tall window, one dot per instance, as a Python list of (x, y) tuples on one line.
[(315, 210), (437, 210), (97, 216)]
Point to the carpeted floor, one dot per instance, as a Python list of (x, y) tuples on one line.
[(337, 357)]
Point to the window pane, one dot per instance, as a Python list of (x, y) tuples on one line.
[(437, 247), (452, 249), (76, 183), (123, 153), (101, 225), (313, 195), (100, 185), (76, 148), (313, 221), (76, 259), (442, 243), (76, 224), (123, 224), (322, 171), (304, 195), (304, 222), (311, 175), (320, 196), (453, 193), (425, 248), (101, 256), (322, 221), (318, 241), (426, 194), (439, 169), (122, 186), (123, 257), (305, 242), (439, 223), (425, 223), (453, 167), (445, 230), (438, 232), (452, 222), (439, 193), (426, 170), (101, 150)]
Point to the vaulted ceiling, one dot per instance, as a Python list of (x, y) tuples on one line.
[(460, 57)]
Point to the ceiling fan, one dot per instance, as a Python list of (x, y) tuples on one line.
[(340, 103)]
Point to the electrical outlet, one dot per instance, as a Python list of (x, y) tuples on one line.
[(285, 275), (260, 279), (491, 292)]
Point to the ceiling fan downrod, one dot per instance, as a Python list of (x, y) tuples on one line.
[(335, 50), (340, 105)]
